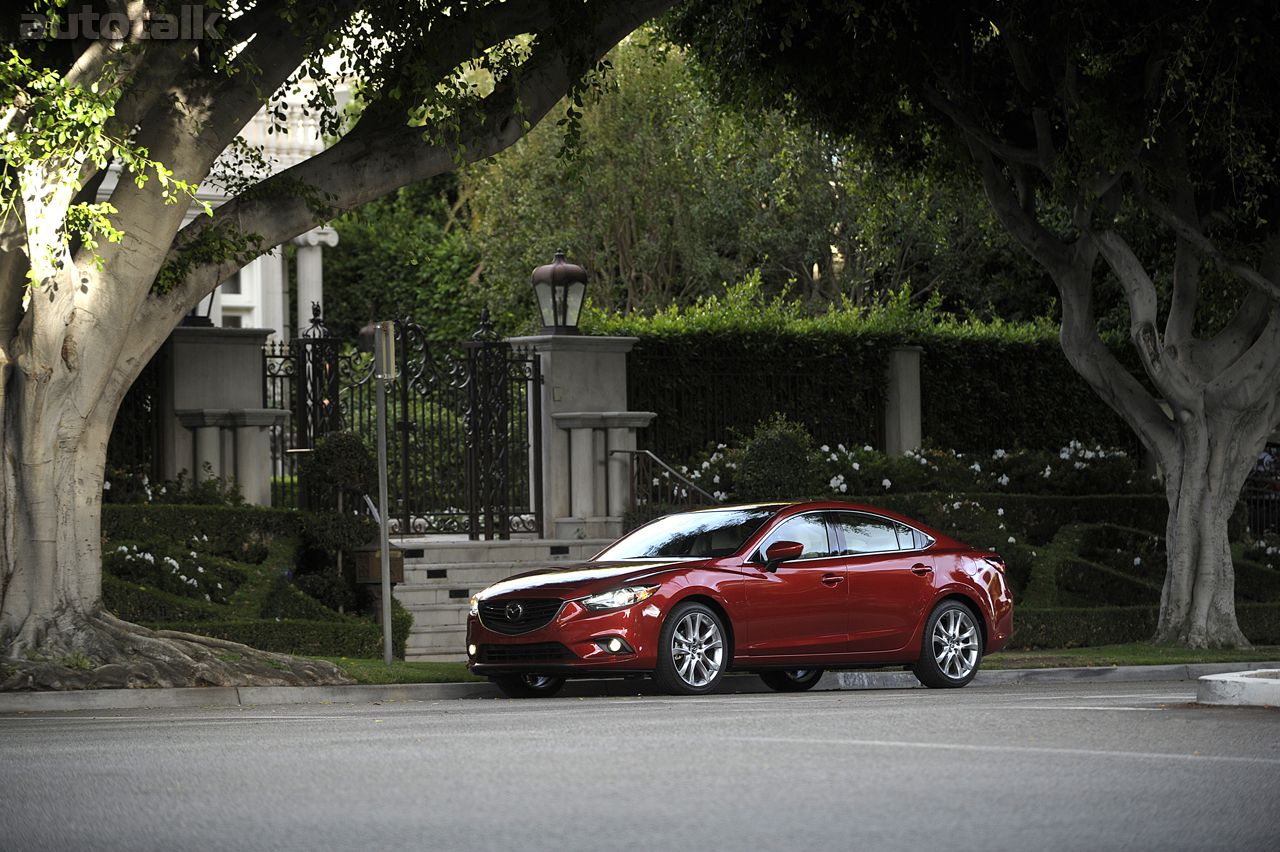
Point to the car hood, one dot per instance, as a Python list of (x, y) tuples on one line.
[(586, 578)]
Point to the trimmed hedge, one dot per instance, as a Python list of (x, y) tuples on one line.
[(304, 638), (128, 602), (1117, 625)]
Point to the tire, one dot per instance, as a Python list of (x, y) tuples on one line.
[(528, 686), (791, 680), (952, 647), (692, 652)]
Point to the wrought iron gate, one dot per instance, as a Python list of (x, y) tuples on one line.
[(464, 438)]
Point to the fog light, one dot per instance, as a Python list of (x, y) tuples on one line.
[(615, 644), (471, 650)]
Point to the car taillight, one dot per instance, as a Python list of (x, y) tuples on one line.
[(995, 562)]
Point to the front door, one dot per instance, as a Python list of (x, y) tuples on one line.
[(801, 608)]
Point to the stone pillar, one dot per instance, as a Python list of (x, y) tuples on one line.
[(584, 383), (311, 272), (902, 429), (272, 293), (211, 408)]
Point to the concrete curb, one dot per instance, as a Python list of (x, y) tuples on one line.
[(1259, 688), (230, 696)]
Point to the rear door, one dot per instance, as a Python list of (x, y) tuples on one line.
[(802, 608), (891, 581)]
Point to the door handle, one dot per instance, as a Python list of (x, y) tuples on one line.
[(832, 579), (920, 569)]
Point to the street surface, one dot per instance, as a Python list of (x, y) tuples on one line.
[(1123, 766)]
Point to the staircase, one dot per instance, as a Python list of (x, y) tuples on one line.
[(441, 576)]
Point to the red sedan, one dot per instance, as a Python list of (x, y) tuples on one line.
[(783, 590)]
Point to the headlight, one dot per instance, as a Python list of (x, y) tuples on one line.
[(619, 597), (475, 604)]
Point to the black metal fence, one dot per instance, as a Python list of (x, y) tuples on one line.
[(464, 427), (1261, 493)]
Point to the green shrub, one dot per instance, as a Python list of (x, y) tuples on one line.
[(140, 604), (177, 569), (303, 638), (777, 463), (1076, 627), (283, 601)]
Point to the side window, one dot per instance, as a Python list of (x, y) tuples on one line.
[(810, 530), (861, 533)]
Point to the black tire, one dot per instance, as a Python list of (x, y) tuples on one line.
[(693, 650), (528, 686), (952, 647), (791, 680)]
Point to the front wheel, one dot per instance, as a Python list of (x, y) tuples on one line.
[(692, 655), (528, 686), (791, 680), (952, 647)]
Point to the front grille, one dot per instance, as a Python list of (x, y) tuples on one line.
[(513, 616), (528, 653)]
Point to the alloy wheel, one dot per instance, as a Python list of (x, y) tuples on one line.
[(697, 649), (955, 643)]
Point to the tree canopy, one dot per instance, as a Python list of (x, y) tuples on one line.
[(1080, 118)]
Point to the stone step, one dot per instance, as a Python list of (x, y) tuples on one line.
[(437, 552), (439, 644), (438, 615), (428, 595), (479, 574)]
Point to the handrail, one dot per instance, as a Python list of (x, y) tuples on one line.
[(670, 469)]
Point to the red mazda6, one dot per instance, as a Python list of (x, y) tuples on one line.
[(783, 590)]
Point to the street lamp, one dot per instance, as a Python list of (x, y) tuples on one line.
[(560, 287)]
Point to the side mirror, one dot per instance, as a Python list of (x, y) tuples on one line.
[(781, 551)]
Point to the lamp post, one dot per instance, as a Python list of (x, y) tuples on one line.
[(560, 287)]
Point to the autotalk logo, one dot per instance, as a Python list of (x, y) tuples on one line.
[(190, 23)]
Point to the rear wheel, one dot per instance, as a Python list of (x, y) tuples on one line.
[(952, 647), (791, 680), (692, 655), (528, 686)]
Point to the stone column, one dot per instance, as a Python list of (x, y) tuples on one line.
[(599, 482), (902, 429), (274, 310), (311, 272)]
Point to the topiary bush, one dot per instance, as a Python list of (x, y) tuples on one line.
[(776, 463)]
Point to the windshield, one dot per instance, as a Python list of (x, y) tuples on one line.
[(692, 535)]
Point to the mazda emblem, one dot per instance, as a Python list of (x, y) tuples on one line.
[(513, 611)]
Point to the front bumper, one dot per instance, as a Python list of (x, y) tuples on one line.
[(575, 644)]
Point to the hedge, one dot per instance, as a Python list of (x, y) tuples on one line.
[(1070, 627), (724, 364), (303, 638)]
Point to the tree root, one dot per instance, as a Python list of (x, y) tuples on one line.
[(100, 651)]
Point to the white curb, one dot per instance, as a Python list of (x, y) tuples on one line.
[(1256, 689)]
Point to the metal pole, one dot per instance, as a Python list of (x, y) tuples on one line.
[(384, 363)]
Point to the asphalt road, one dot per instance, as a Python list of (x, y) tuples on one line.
[(1126, 766)]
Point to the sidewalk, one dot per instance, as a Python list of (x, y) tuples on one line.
[(230, 696)]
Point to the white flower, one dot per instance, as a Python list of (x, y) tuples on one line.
[(976, 467), (1137, 560), (655, 480), (825, 448), (123, 549), (999, 511), (720, 446), (148, 557), (1079, 465), (835, 457), (204, 538), (1033, 553), (867, 448), (684, 469), (956, 505), (843, 487), (219, 585), (1002, 526), (886, 483), (106, 486), (836, 481), (1048, 469), (1012, 540), (719, 495), (706, 464), (198, 568), (857, 466), (841, 448), (206, 597), (999, 454), (716, 479), (193, 554)]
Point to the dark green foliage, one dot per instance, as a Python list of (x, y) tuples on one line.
[(183, 569), (402, 256), (1117, 625), (713, 369), (777, 463), (304, 638), (1256, 582), (1091, 583), (284, 602), (130, 602), (341, 461)]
